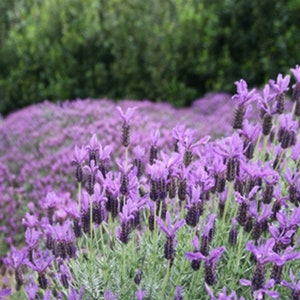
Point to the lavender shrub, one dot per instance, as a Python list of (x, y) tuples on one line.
[(155, 204)]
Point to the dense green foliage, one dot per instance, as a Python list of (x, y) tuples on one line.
[(171, 50)]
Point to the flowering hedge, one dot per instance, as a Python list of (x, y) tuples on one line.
[(142, 201)]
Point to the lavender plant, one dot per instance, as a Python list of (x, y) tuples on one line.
[(176, 213)]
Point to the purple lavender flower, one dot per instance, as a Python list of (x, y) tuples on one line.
[(260, 223), (5, 293), (92, 148), (293, 286), (263, 254), (282, 237), (178, 293), (126, 116), (281, 85), (231, 148), (169, 230), (140, 294), (30, 220), (108, 295), (243, 98), (210, 262), (40, 263), (167, 226), (287, 133), (73, 295), (289, 222), (91, 171), (296, 72), (15, 259), (78, 161), (31, 289), (65, 276), (222, 294), (280, 260), (296, 89), (264, 290), (194, 207)]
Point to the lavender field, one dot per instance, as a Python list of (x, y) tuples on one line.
[(139, 200)]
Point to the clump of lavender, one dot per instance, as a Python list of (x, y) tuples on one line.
[(107, 231)]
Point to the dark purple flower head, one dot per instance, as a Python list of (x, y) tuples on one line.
[(126, 116), (16, 257), (167, 227), (140, 294), (296, 72), (264, 252), (281, 85), (243, 96)]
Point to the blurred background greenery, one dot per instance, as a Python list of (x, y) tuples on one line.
[(163, 50)]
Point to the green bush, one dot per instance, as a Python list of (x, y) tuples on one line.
[(173, 50)]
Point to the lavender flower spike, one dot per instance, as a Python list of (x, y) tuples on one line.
[(167, 228), (140, 294), (293, 286)]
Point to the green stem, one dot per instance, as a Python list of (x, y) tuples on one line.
[(228, 200), (163, 288), (91, 235)]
